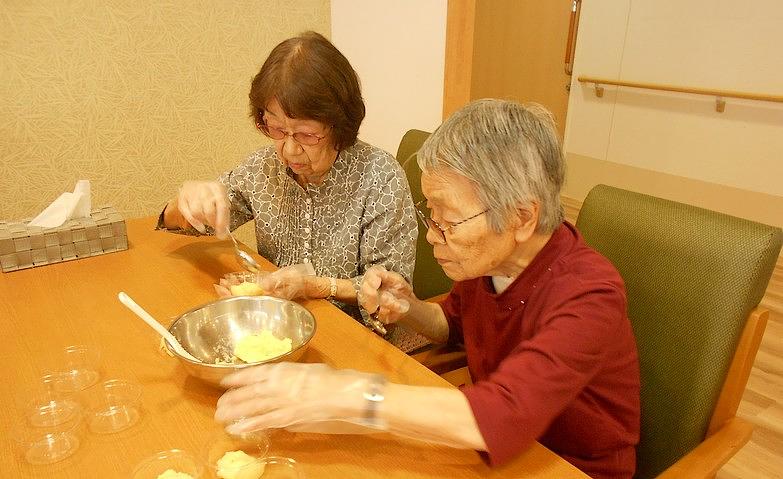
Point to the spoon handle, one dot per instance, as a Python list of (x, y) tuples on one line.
[(144, 315)]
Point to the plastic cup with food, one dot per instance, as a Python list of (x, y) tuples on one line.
[(277, 467), (171, 464), (237, 456)]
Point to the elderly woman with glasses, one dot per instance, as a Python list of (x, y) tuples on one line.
[(542, 316), (318, 195)]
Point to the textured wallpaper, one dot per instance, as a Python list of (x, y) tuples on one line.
[(135, 96)]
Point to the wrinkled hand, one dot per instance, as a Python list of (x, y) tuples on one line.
[(287, 283), (385, 293), (303, 396), (205, 203)]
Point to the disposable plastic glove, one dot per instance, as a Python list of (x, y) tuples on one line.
[(204, 203), (385, 294), (300, 397), (289, 282)]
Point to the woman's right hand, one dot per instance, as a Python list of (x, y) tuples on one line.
[(385, 293), (203, 203)]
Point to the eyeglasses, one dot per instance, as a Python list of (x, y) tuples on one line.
[(307, 139), (433, 225)]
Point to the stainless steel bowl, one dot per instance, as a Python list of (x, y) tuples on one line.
[(211, 331)]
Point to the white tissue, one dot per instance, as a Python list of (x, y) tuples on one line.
[(66, 206)]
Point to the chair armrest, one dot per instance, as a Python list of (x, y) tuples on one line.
[(708, 457), (442, 358), (739, 370), (459, 377), (437, 298)]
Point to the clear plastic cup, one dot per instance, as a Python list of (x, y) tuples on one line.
[(43, 405), (114, 406), (277, 467), (51, 436), (174, 460), (79, 368), (237, 457)]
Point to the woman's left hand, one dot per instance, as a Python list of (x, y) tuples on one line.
[(285, 284), (286, 394), (291, 282)]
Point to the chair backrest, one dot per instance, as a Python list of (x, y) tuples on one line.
[(692, 277), (428, 277)]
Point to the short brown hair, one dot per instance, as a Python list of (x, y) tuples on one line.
[(311, 80)]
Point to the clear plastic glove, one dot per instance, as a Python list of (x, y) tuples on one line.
[(204, 203), (300, 397), (385, 294), (288, 283)]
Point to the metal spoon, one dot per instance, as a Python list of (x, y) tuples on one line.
[(244, 258), (376, 324), (372, 320), (147, 317)]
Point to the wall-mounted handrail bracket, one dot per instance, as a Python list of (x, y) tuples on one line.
[(599, 90), (720, 104)]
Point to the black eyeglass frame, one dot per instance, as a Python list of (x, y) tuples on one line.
[(430, 223), (305, 139)]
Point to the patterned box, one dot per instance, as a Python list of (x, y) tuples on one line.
[(23, 246)]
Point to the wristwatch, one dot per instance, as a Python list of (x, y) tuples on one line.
[(373, 398), (332, 288)]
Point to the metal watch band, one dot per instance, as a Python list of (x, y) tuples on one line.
[(332, 288), (373, 397)]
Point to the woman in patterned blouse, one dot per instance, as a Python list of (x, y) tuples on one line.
[(319, 195)]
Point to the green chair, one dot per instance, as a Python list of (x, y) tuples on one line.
[(694, 279), (429, 280)]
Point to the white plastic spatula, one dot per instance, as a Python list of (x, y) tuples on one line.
[(140, 312)]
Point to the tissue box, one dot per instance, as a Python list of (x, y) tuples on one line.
[(23, 246)]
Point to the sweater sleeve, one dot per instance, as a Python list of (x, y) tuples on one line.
[(389, 227), (516, 404), (240, 185)]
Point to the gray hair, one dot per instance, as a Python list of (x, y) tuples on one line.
[(510, 152)]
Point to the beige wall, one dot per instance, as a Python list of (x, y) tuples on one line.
[(398, 50), (676, 145), (135, 96)]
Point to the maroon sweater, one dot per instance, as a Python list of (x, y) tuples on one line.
[(553, 359)]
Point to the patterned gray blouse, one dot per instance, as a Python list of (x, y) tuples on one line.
[(360, 215)]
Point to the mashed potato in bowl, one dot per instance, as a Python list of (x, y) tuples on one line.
[(254, 348), (213, 331), (260, 347)]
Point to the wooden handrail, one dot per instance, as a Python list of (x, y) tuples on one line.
[(719, 94)]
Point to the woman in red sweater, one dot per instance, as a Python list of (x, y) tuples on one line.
[(542, 316)]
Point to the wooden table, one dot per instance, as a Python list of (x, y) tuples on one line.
[(43, 310)]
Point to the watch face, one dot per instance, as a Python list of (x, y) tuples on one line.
[(373, 396)]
